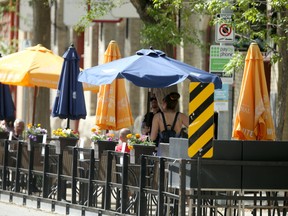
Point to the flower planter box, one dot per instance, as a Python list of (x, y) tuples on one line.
[(67, 141), (101, 146), (139, 150), (4, 135)]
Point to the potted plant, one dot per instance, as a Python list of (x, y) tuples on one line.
[(4, 133), (102, 141), (138, 145), (35, 133), (67, 137)]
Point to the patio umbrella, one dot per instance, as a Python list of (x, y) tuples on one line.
[(70, 102), (113, 109), (35, 66), (148, 68), (253, 119), (7, 107)]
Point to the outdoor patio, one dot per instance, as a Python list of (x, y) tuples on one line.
[(242, 178)]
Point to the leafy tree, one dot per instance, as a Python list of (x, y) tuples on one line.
[(166, 24), (265, 22)]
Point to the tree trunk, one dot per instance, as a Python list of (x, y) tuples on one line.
[(42, 35), (283, 78)]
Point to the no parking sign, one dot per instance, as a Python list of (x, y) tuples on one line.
[(224, 32)]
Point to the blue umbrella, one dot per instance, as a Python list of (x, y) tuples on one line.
[(148, 68), (70, 102), (7, 108)]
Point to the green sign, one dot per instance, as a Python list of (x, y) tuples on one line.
[(220, 55)]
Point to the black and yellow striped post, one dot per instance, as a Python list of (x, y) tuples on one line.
[(201, 119)]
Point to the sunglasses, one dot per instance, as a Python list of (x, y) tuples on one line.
[(153, 98)]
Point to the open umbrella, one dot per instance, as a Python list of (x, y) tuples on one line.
[(253, 120), (148, 68), (7, 108), (70, 102), (113, 109), (32, 67)]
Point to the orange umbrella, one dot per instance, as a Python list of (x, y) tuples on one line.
[(253, 119), (113, 108), (34, 66)]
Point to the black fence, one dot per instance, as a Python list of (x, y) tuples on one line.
[(242, 176)]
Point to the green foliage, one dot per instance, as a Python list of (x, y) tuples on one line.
[(236, 63), (169, 21)]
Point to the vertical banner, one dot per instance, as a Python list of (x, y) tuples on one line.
[(201, 119)]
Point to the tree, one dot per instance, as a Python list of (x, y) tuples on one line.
[(41, 34), (254, 20), (261, 21)]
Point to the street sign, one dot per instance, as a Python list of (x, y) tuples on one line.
[(220, 55), (221, 98), (201, 119), (224, 32)]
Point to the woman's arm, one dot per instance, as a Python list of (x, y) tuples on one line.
[(185, 119), (155, 127)]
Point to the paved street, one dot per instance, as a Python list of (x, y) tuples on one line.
[(10, 209)]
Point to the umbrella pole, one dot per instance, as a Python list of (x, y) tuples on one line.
[(34, 104), (68, 123)]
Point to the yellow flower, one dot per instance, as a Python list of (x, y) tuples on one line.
[(137, 136), (129, 136), (93, 130), (130, 147)]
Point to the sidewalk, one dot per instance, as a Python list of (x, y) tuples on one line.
[(11, 209)]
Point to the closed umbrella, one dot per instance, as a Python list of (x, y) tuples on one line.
[(113, 109), (7, 108), (70, 102), (148, 68), (253, 120)]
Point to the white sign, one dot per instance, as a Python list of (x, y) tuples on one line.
[(224, 32)]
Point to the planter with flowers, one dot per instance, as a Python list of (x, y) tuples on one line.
[(102, 142), (67, 137), (4, 134), (35, 133), (139, 145)]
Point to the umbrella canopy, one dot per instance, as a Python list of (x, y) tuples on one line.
[(70, 102), (7, 108), (34, 66), (253, 119), (113, 109), (148, 68)]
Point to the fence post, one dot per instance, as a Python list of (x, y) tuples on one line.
[(182, 189), (142, 209), (74, 174), (30, 168), (18, 164), (59, 176), (91, 177), (107, 195), (161, 187), (45, 184), (124, 191), (5, 160)]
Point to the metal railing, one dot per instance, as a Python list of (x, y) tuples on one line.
[(111, 185)]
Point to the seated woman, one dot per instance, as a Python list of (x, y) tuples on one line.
[(123, 139), (174, 120)]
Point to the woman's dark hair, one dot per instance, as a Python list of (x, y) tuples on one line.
[(172, 100)]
